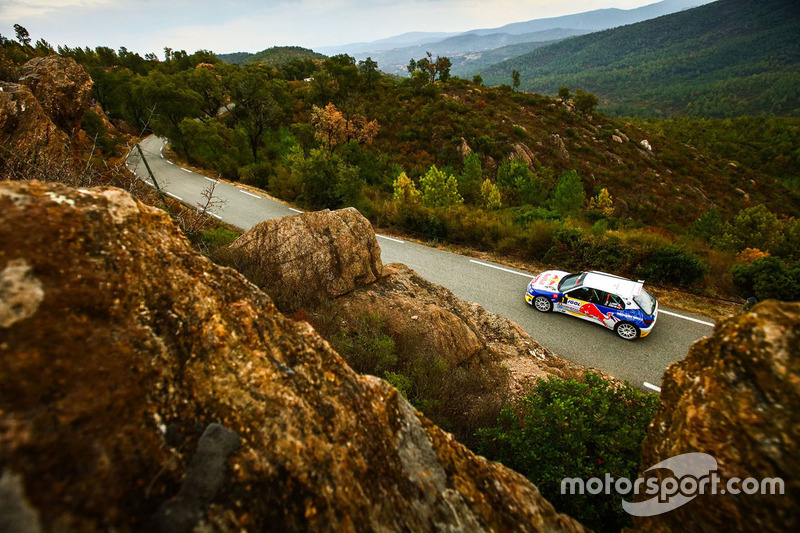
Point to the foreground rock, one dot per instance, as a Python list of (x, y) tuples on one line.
[(736, 397), (142, 387), (304, 259)]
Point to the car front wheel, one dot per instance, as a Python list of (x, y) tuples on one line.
[(627, 331), (542, 304)]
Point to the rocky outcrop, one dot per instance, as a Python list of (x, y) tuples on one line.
[(40, 113), (523, 152), (464, 150), (25, 129), (62, 88), (560, 147), (304, 259), (144, 387), (736, 397)]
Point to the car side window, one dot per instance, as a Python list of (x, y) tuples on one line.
[(581, 294), (609, 300)]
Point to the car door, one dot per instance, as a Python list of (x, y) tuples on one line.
[(574, 300)]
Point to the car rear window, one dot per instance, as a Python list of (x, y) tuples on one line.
[(645, 301)]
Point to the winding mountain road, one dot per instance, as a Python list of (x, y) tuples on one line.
[(499, 289)]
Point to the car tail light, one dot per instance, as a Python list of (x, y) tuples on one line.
[(649, 321)]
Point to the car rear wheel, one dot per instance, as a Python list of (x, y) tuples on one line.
[(627, 331), (542, 304)]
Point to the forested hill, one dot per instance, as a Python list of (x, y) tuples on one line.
[(728, 58), (274, 56)]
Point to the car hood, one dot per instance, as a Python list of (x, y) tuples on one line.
[(548, 280)]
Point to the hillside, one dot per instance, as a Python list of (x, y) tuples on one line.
[(273, 56), (469, 52), (729, 58), (475, 49)]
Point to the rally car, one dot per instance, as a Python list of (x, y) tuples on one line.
[(617, 303)]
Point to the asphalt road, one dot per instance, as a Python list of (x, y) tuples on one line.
[(499, 289)]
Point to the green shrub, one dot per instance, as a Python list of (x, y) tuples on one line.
[(570, 249), (537, 213), (569, 429), (210, 240), (368, 350), (768, 278), (458, 398), (256, 174), (672, 264), (539, 238)]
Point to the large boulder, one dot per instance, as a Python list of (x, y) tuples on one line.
[(304, 259), (142, 387), (735, 397), (62, 88), (26, 132)]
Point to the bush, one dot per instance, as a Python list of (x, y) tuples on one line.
[(458, 398), (537, 213), (210, 240), (768, 278), (256, 174), (570, 249), (671, 264), (569, 429)]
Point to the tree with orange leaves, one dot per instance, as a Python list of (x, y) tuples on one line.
[(334, 128)]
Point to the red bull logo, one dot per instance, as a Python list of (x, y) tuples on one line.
[(591, 310)]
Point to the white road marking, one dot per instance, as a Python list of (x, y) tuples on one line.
[(162, 155), (176, 197), (651, 386), (389, 238), (212, 181), (686, 318), (250, 194), (295, 210), (170, 162), (186, 170), (501, 268), (215, 216)]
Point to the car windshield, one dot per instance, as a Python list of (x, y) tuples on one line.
[(645, 301), (568, 282)]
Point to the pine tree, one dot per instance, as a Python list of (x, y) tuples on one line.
[(439, 189)]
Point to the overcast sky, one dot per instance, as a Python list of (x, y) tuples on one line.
[(250, 25)]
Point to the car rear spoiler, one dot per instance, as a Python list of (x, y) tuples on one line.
[(637, 287)]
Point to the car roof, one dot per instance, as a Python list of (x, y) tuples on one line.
[(627, 288)]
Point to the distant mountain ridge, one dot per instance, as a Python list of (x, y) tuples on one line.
[(727, 58), (466, 50)]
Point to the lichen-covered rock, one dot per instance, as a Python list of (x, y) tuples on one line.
[(304, 259), (25, 129), (138, 346), (62, 88), (736, 397)]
